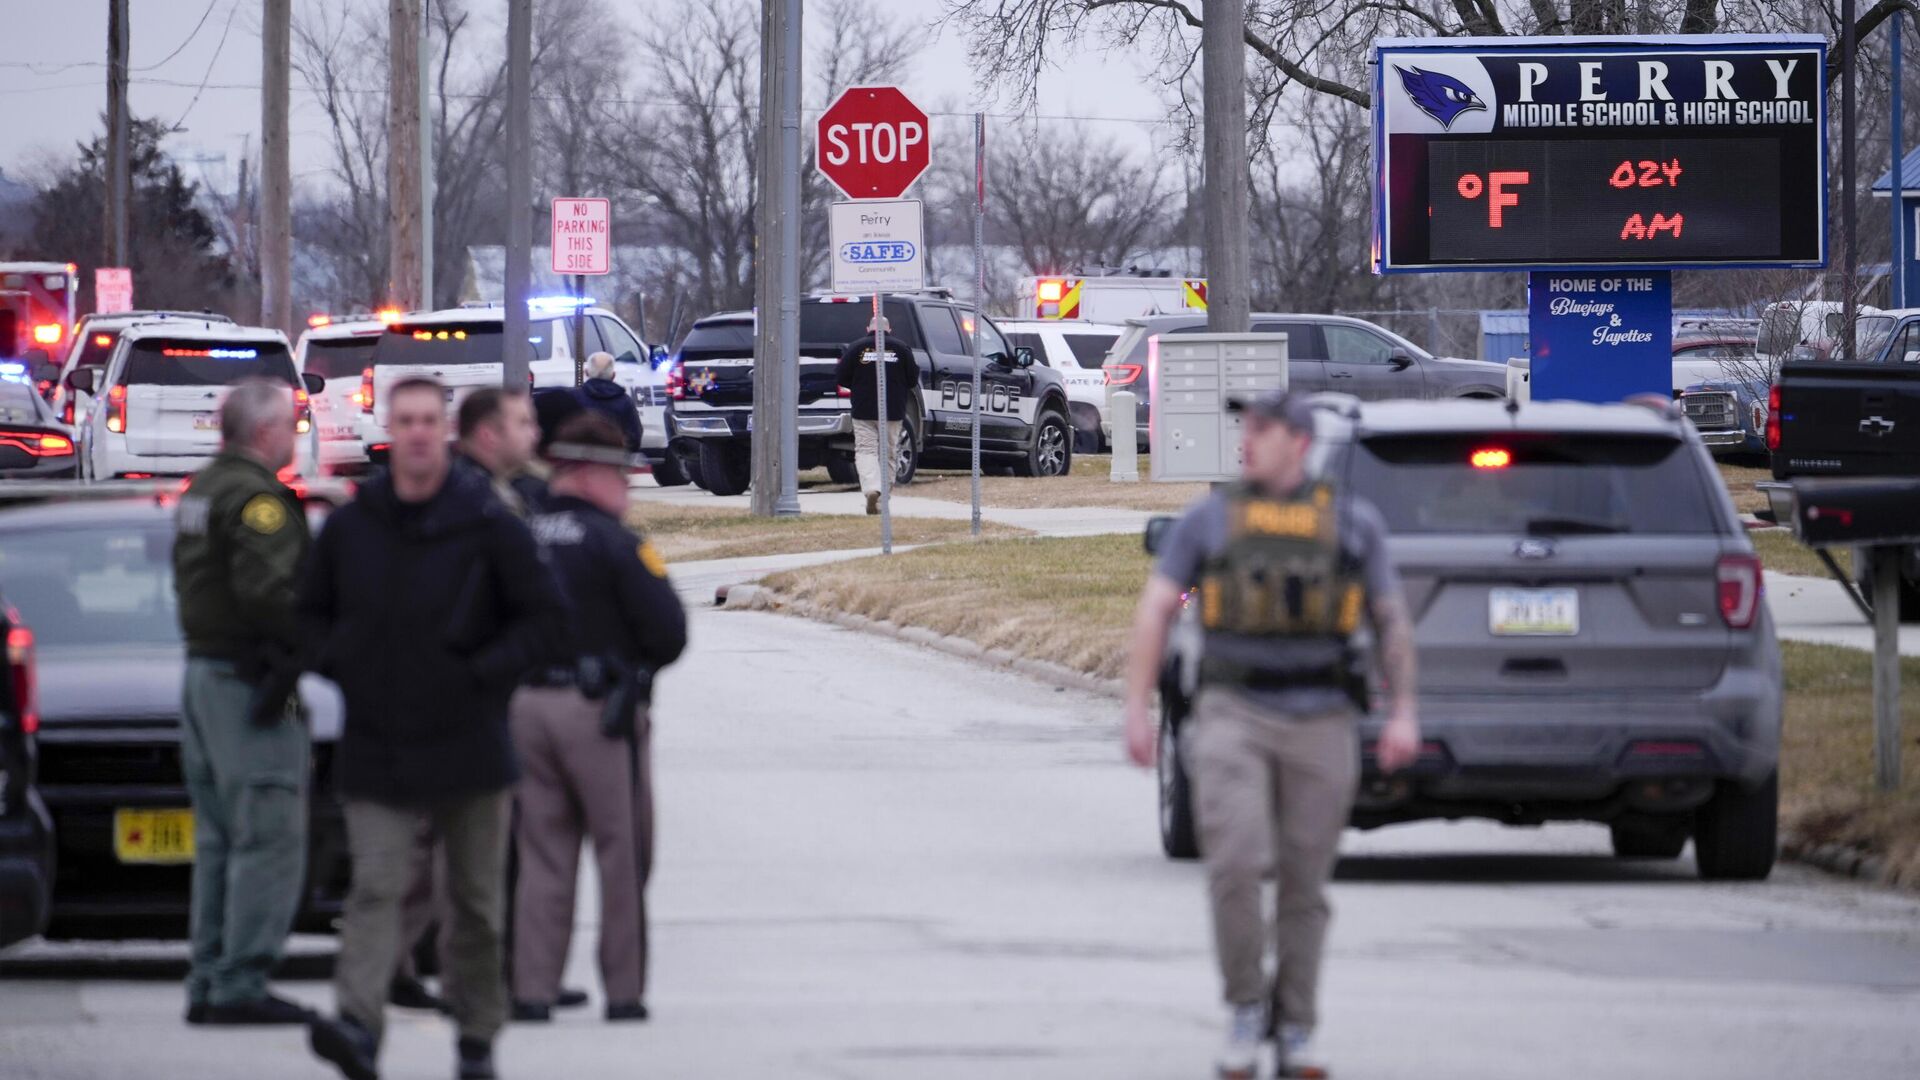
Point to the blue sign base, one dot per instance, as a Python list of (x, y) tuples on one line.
[(1600, 336)]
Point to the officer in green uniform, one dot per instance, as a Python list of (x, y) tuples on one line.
[(242, 539)]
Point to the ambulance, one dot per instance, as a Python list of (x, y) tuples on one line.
[(36, 317), (1107, 295)]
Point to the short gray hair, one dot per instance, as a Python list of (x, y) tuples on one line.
[(252, 405), (600, 366)]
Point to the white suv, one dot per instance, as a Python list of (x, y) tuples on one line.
[(342, 353), (159, 396), (1078, 351)]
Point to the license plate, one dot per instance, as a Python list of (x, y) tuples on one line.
[(1533, 612), (153, 836), (206, 422)]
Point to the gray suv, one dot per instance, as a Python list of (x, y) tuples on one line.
[(1593, 643), (1325, 353)]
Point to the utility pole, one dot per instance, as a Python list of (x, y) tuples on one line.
[(1223, 62), (119, 169), (776, 373), (514, 352), (276, 180), (403, 154), (427, 129)]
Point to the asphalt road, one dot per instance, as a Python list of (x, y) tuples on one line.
[(878, 862)]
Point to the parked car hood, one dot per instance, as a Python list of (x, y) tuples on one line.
[(141, 683), (1490, 368)]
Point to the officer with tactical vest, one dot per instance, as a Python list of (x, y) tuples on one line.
[(242, 537), (1282, 570)]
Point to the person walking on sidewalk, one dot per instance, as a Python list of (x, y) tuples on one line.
[(239, 549), (601, 393), (858, 372), (431, 604), (583, 730), (1283, 570)]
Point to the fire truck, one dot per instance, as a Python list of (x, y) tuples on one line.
[(1109, 295), (36, 316)]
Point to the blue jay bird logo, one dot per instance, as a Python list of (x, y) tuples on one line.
[(1442, 97)]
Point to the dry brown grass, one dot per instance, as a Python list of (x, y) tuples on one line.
[(1740, 480), (1826, 757), (1070, 601), (1065, 600), (687, 533), (1782, 554), (1086, 485)]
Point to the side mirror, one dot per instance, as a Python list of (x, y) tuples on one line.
[(1157, 528), (80, 380), (1400, 360), (1023, 357), (313, 381)]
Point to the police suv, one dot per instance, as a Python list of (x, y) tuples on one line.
[(1025, 423)]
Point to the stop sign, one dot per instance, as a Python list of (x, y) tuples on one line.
[(872, 142)]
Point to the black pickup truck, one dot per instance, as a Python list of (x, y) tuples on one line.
[(1845, 419), (709, 384)]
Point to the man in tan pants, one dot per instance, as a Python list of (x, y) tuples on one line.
[(582, 729), (1280, 571)]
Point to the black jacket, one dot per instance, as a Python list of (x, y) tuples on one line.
[(612, 400), (427, 616), (621, 601), (858, 376)]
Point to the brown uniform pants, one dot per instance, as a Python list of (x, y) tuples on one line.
[(577, 784), (1270, 790)]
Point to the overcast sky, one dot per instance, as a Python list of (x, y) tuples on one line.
[(54, 99)]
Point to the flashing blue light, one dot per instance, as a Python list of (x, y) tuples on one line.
[(14, 372), (234, 354), (568, 302)]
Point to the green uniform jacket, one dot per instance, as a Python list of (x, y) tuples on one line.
[(241, 544)]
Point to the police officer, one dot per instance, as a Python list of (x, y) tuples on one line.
[(497, 435), (582, 729), (242, 538), (1283, 570)]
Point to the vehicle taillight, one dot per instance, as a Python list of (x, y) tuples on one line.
[(26, 699), (1739, 580), (1121, 374), (36, 444), (302, 413), (841, 391), (117, 410), (363, 397), (676, 383), (1773, 417), (1492, 457)]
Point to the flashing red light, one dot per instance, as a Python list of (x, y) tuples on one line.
[(26, 698), (1121, 374), (387, 315), (1491, 457), (363, 397), (117, 409), (48, 333), (1051, 290), (318, 321), (1739, 580), (676, 384)]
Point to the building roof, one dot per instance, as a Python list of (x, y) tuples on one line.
[(1909, 175)]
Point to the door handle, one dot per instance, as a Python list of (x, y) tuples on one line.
[(1342, 375)]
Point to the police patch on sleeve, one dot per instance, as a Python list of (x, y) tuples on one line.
[(264, 514), (651, 559)]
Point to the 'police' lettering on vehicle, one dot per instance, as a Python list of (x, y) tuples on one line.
[(997, 398)]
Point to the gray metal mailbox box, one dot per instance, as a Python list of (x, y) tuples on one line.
[(1194, 437)]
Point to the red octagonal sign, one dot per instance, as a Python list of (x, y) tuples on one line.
[(872, 142)]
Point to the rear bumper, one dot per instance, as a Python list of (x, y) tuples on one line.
[(735, 423), (338, 453), (47, 469)]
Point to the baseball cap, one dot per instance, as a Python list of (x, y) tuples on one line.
[(1285, 406)]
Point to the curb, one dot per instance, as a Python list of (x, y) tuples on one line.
[(1838, 859), (761, 598)]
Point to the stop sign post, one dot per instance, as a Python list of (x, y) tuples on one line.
[(872, 142)]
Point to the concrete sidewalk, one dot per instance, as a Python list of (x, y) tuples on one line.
[(1817, 610), (1044, 521)]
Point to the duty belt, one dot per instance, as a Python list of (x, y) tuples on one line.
[(1215, 671)]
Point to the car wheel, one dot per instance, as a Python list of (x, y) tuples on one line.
[(841, 469), (1178, 837), (1052, 451), (906, 451), (726, 469), (668, 473), (1736, 834), (1643, 839)]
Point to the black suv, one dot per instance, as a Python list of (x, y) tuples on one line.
[(26, 830), (1024, 423)]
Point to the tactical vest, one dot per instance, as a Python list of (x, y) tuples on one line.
[(1284, 580)]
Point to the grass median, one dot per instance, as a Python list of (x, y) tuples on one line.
[(689, 533), (1070, 600), (1087, 485)]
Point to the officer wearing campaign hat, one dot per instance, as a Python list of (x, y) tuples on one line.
[(582, 727)]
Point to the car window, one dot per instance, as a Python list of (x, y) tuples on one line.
[(626, 348), (829, 323), (726, 338), (476, 342), (92, 349), (163, 362), (1303, 339), (341, 358), (103, 585), (18, 403), (1130, 348), (1089, 350), (992, 341), (1518, 483), (590, 339), (1906, 346), (1714, 352), (1352, 345), (942, 332)]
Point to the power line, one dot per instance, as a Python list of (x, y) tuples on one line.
[(211, 64), (56, 69)]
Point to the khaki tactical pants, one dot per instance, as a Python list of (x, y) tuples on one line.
[(578, 784), (248, 786), (866, 454), (1270, 790), (385, 844)]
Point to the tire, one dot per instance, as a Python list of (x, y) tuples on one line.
[(840, 468), (1178, 836), (1052, 451), (726, 469), (1736, 834), (907, 451), (687, 457), (1644, 839), (668, 473)]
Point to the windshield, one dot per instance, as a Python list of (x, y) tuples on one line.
[(101, 585), (18, 403), (1873, 331), (719, 339), (158, 362), (341, 357), (1521, 483), (826, 323)]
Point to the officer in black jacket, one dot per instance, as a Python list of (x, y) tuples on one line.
[(857, 372), (582, 728)]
